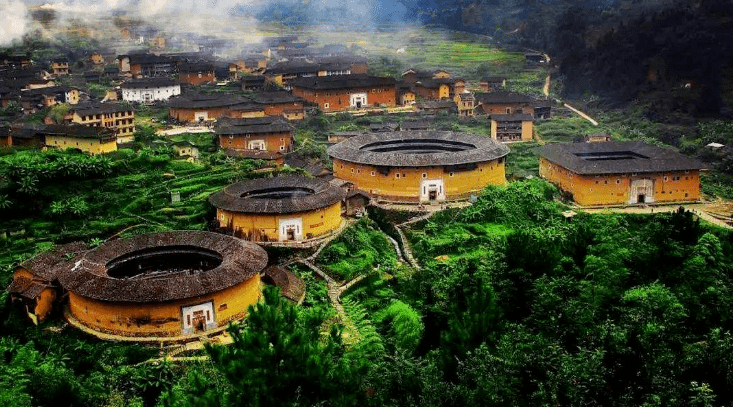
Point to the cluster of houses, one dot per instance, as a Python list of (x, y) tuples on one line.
[(175, 286)]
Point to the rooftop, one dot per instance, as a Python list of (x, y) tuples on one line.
[(267, 124), (149, 83), (617, 158), (343, 82), (503, 97), (163, 267), (291, 194), (418, 149)]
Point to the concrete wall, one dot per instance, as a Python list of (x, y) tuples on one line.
[(161, 319), (614, 189), (407, 186)]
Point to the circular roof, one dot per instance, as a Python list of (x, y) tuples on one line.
[(90, 277), (278, 195), (418, 149)]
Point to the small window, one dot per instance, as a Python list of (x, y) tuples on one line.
[(325, 105), (450, 174), (665, 178), (352, 170), (222, 307), (282, 148), (397, 175), (372, 173), (424, 174), (358, 171), (618, 181)]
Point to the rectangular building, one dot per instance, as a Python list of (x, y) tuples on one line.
[(347, 92), (621, 173), (272, 134)]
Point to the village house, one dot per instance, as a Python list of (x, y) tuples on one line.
[(433, 85), (52, 95), (147, 65), (279, 209), (405, 95), (435, 107), (542, 108), (286, 73), (492, 84), (151, 287), (187, 149), (93, 140), (419, 166), (60, 67), (621, 173), (339, 136), (505, 103), (346, 92), (26, 136), (252, 83), (264, 134), (511, 127), (466, 103), (150, 90), (281, 103), (202, 108), (596, 138), (118, 117), (35, 287), (196, 74)]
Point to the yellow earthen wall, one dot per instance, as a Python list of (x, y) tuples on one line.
[(92, 146), (407, 186), (317, 223), (613, 189), (162, 319)]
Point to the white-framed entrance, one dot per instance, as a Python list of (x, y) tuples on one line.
[(201, 116), (257, 145), (197, 318), (290, 229), (358, 100), (432, 190), (641, 191)]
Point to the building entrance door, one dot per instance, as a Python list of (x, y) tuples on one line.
[(197, 318), (291, 229), (642, 191), (358, 100), (432, 190)]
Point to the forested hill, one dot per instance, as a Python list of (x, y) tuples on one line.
[(617, 49)]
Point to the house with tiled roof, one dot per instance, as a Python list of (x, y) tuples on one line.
[(621, 173), (347, 92)]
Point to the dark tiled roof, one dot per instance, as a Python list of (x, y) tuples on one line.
[(321, 194), (420, 149), (514, 117), (241, 261), (415, 125), (267, 124), (343, 82), (291, 287), (149, 83), (92, 109), (275, 97), (503, 97), (47, 265), (200, 101), (77, 130), (617, 158)]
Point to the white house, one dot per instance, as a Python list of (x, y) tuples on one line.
[(150, 90)]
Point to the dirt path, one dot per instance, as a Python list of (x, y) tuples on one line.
[(706, 211), (581, 114)]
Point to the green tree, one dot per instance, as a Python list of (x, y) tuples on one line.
[(280, 358)]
